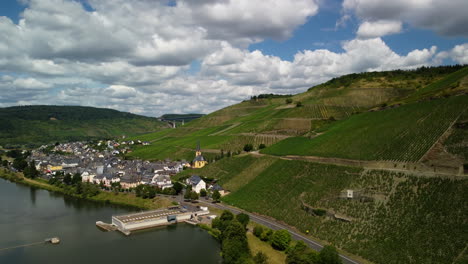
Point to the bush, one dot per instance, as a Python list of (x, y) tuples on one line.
[(261, 146), (203, 193), (248, 147), (281, 239), (243, 219), (289, 101), (298, 104), (266, 235), (319, 212), (258, 231), (329, 255), (260, 258)]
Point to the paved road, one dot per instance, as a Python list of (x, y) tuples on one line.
[(276, 226)]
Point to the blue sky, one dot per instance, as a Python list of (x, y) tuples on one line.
[(138, 55)]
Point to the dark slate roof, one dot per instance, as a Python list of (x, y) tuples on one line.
[(194, 179), (199, 158), (217, 187)]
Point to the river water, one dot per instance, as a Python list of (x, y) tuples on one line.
[(29, 215)]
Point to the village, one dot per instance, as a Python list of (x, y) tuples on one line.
[(102, 163)]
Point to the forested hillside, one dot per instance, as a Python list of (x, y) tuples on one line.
[(34, 125)]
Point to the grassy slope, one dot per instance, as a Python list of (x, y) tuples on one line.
[(410, 220), (45, 124), (404, 133)]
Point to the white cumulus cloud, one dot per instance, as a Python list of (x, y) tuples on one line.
[(380, 28), (447, 18)]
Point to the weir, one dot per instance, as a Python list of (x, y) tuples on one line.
[(148, 219)]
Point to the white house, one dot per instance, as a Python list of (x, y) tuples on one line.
[(87, 177), (162, 181), (197, 183)]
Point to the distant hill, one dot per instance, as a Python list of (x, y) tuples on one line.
[(180, 117), (39, 124)]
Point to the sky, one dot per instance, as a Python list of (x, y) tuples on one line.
[(153, 57)]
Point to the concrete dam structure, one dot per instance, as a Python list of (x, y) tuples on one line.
[(148, 219)]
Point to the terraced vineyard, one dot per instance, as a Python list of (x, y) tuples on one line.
[(403, 134), (403, 219)]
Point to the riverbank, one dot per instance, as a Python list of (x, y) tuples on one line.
[(121, 199)]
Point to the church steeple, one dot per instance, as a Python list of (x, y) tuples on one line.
[(198, 150)]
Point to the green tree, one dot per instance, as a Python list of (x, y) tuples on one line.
[(203, 193), (243, 219), (178, 187), (78, 188), (248, 147), (30, 171), (266, 235), (67, 179), (216, 196), (187, 194), (289, 101), (261, 146), (193, 196), (329, 255), (281, 239), (76, 178), (298, 104), (301, 254), (235, 246), (20, 164), (260, 258), (258, 230), (226, 216)]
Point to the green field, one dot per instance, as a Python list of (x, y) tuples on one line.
[(405, 219), (403, 134)]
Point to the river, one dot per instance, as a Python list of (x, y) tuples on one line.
[(29, 215)]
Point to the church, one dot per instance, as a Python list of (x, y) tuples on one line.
[(199, 161)]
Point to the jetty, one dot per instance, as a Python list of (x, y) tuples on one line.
[(105, 226), (148, 219)]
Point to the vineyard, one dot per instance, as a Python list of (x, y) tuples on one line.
[(451, 80), (232, 173), (402, 134), (403, 219)]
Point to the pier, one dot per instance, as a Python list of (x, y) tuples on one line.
[(105, 226), (149, 219)]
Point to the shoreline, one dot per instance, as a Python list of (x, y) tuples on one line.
[(103, 197)]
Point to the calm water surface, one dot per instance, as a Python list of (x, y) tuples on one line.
[(29, 215)]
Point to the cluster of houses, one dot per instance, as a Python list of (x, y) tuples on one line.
[(101, 164), (105, 167)]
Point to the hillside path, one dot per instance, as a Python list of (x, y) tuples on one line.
[(394, 166)]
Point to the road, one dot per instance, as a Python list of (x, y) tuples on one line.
[(276, 226)]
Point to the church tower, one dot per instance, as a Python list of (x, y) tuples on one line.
[(199, 161)]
